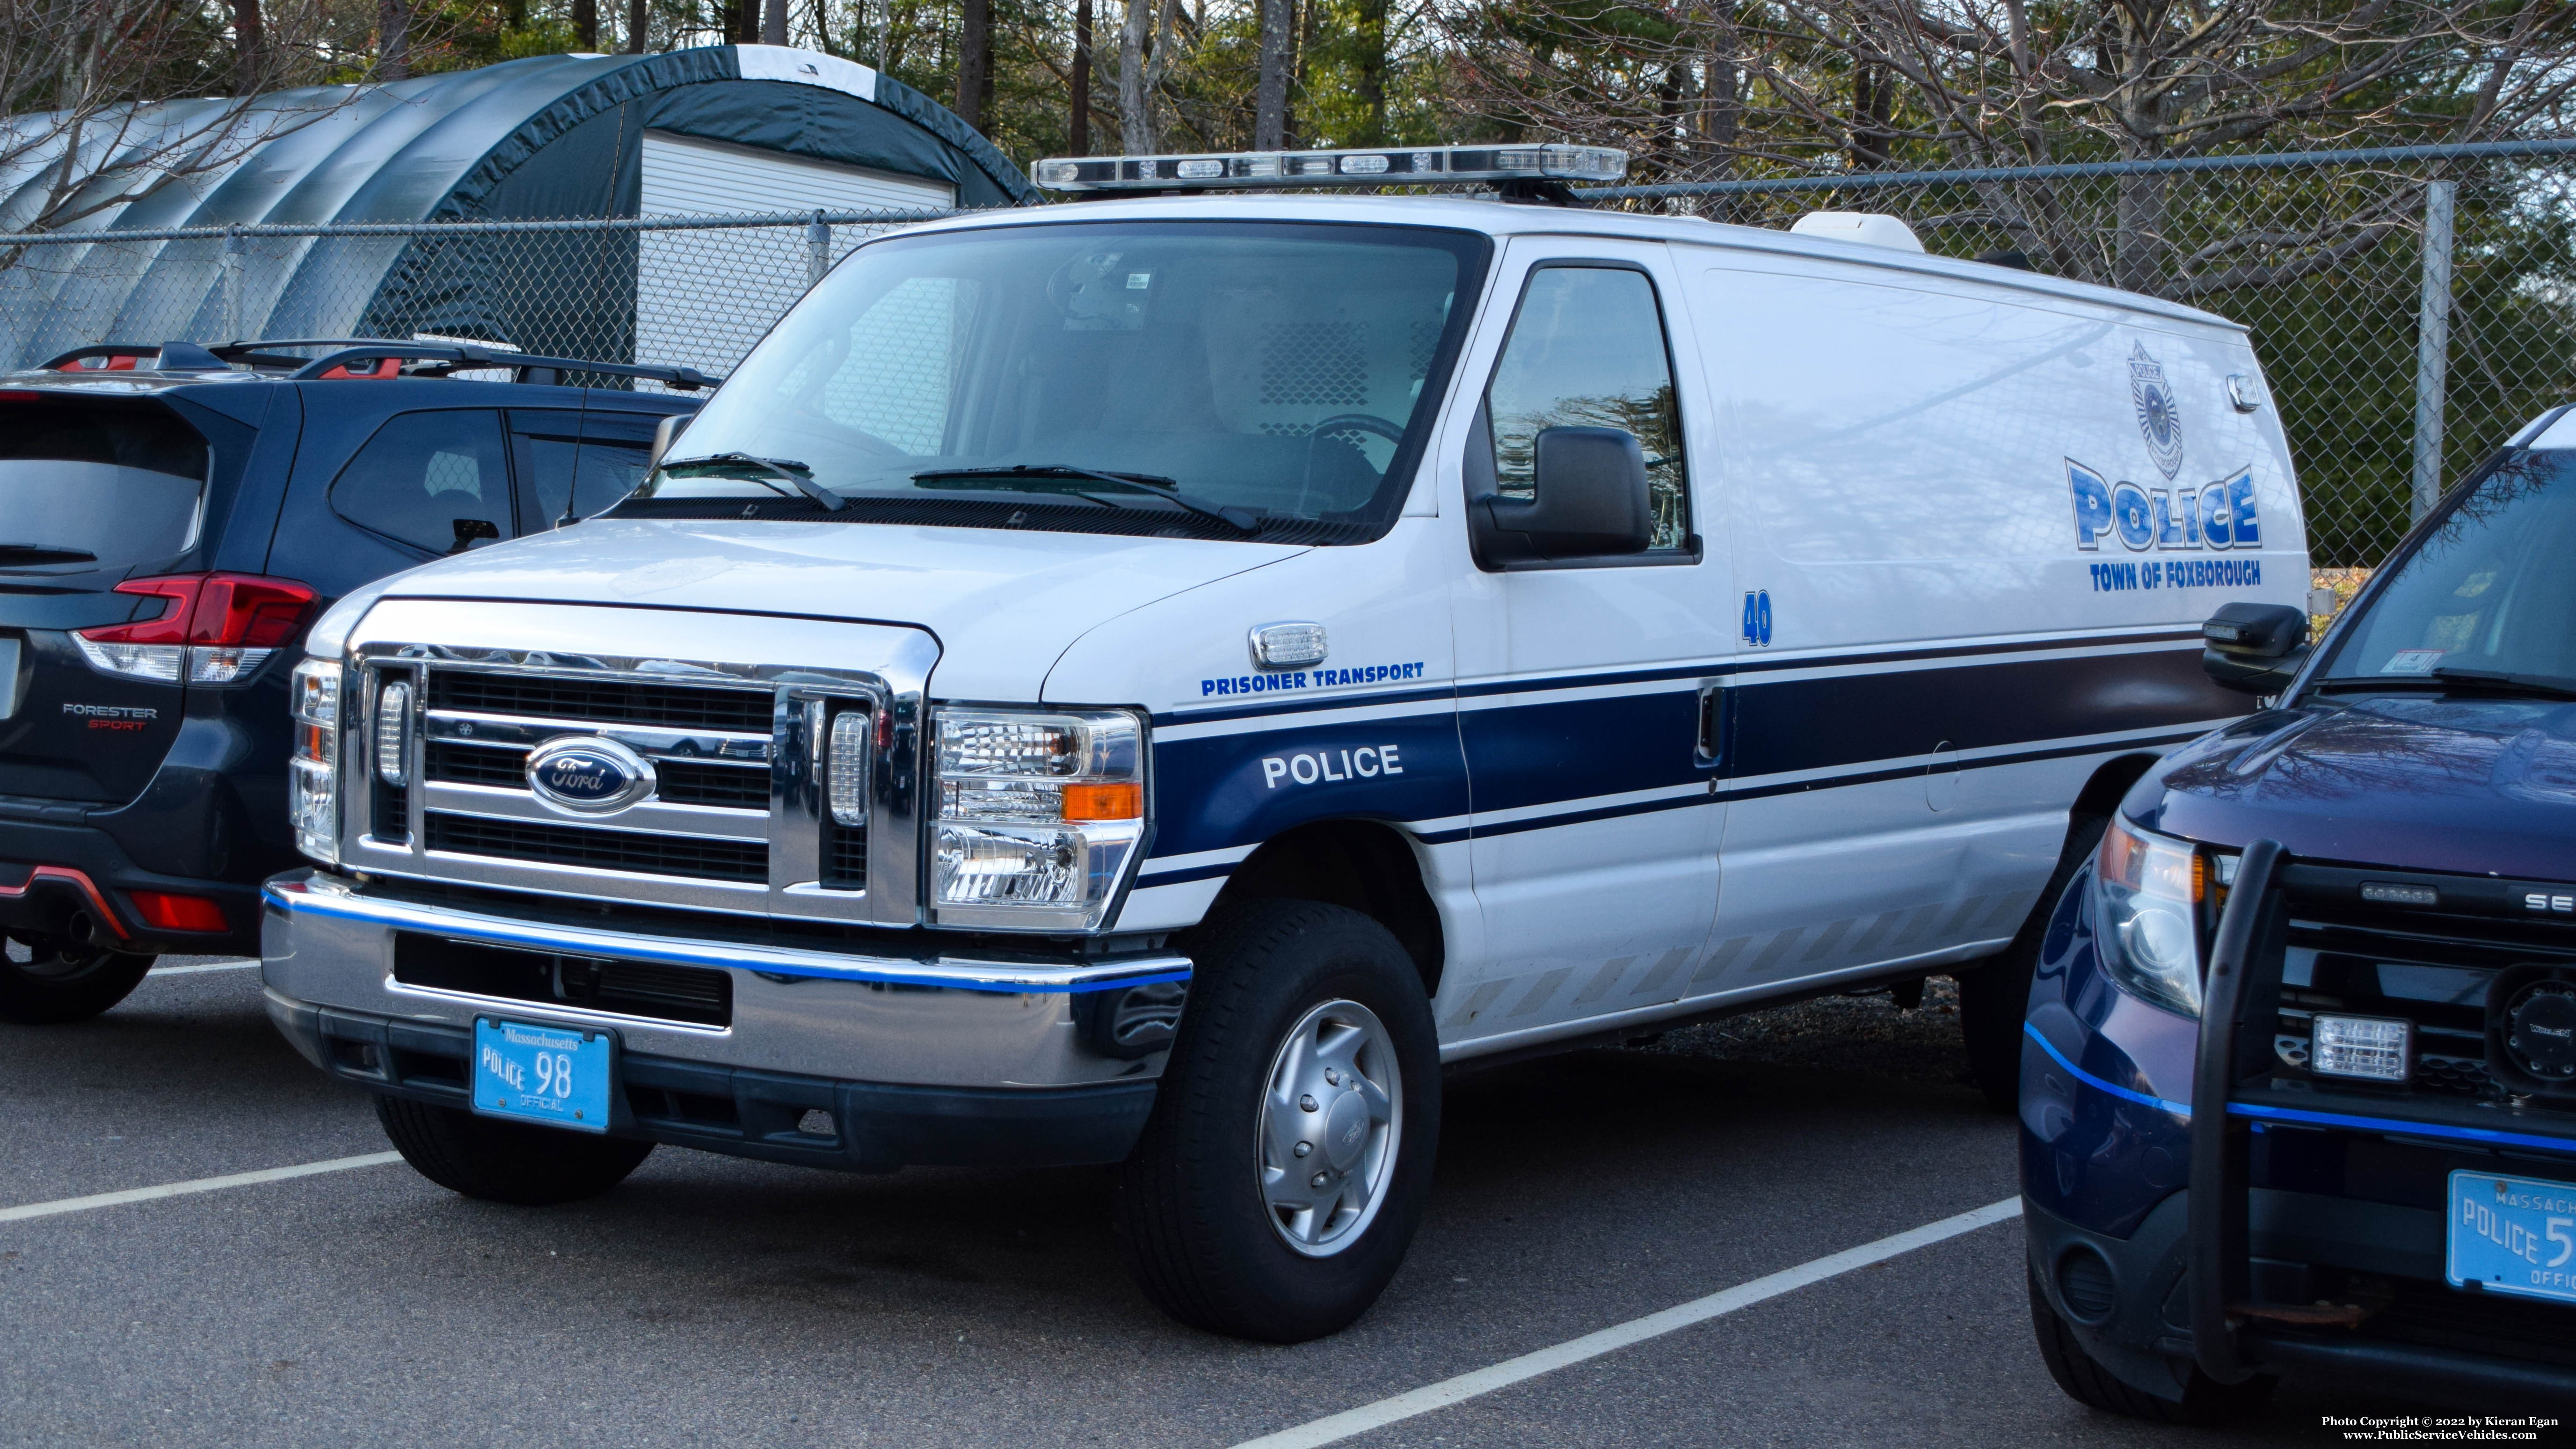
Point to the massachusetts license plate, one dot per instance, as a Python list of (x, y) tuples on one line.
[(2513, 1235), (551, 1074)]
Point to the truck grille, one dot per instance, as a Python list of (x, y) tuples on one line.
[(668, 706), (629, 851), (683, 782), (626, 988)]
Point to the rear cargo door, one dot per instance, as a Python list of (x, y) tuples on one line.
[(93, 491)]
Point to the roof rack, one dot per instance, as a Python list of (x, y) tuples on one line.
[(1536, 173), (442, 358)]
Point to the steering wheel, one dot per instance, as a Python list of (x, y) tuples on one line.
[(1364, 422)]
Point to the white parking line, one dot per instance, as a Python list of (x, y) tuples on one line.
[(215, 966), (202, 1184), (1350, 1422)]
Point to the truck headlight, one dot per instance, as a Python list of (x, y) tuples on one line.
[(313, 776), (1039, 814), (2151, 891)]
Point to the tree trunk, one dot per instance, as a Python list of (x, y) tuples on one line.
[(2138, 246), (393, 39), (1278, 56), (773, 23), (585, 24), (635, 27), (1873, 102), (1135, 101), (974, 61), (1371, 81), (1310, 35), (1081, 138), (249, 44)]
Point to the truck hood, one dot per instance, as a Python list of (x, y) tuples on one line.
[(2410, 781), (1004, 605)]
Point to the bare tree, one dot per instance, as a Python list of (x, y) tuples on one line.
[(1081, 135), (1278, 63), (635, 27), (1145, 51), (82, 131), (974, 60), (393, 39), (773, 22)]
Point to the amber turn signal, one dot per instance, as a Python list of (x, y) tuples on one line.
[(1123, 801)]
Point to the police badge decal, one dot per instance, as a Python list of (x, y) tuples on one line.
[(2158, 417)]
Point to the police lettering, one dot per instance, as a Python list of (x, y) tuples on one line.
[(1364, 762), (1309, 679), (2220, 515)]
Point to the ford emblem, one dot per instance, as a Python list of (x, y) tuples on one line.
[(588, 775)]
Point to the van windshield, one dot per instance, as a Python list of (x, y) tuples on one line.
[(1213, 379), (92, 485), (2489, 591)]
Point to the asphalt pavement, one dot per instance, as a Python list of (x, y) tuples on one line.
[(710, 1301)]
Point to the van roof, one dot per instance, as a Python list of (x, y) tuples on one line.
[(1499, 218)]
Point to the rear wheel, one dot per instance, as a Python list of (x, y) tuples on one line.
[(1286, 1165), (2205, 1400), (58, 981), (1995, 997), (508, 1162)]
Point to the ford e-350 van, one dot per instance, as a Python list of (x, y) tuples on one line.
[(1150, 681)]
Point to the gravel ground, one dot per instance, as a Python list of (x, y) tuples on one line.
[(1869, 1035)]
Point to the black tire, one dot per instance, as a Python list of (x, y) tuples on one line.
[(63, 982), (511, 1162), (1995, 997), (2205, 1401), (1193, 1220)]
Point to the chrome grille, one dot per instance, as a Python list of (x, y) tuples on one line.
[(735, 819)]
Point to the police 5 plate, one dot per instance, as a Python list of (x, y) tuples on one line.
[(556, 1075), (2513, 1235)]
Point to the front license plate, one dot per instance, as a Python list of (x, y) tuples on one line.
[(2513, 1235), (552, 1074)]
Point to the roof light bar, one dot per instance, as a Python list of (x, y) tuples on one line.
[(1426, 166)]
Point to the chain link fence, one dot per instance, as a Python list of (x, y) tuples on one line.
[(683, 291), (2412, 306)]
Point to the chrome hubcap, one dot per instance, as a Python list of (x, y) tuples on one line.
[(1331, 1115)]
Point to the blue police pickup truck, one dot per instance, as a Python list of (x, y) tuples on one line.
[(2299, 1069)]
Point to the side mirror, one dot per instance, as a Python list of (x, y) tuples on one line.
[(665, 433), (1591, 500), (2254, 648)]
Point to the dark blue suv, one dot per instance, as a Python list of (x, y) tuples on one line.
[(2299, 1070), (170, 520)]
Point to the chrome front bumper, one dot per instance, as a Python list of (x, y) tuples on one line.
[(939, 1021)]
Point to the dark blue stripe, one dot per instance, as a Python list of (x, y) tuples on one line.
[(1303, 706), (2401, 1126)]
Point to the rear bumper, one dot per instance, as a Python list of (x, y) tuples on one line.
[(922, 1058), (54, 873)]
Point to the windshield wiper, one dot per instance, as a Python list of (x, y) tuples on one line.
[(28, 555), (2549, 685), (2447, 680), (1037, 478), (794, 472)]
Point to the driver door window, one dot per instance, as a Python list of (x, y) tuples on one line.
[(1587, 349), (437, 481)]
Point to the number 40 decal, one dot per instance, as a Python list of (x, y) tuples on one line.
[(1757, 617)]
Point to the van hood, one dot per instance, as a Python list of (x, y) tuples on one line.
[(2409, 781), (1004, 605)]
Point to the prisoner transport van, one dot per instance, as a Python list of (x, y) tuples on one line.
[(1150, 681)]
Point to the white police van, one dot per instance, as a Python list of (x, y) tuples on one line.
[(1150, 681)]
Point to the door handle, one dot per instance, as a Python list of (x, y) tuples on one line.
[(1711, 746)]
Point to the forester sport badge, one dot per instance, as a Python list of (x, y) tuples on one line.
[(589, 775)]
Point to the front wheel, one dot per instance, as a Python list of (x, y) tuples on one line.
[(1288, 1158), (511, 1162), (62, 982)]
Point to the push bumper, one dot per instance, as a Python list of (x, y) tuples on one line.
[(925, 1059)]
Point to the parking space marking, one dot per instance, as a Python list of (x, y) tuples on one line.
[(192, 970), (1351, 1422), (197, 1185)]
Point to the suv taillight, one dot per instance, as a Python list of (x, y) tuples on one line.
[(218, 629)]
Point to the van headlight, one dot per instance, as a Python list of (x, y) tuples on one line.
[(313, 775), (1039, 814), (2152, 893)]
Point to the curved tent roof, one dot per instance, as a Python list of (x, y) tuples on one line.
[(548, 136)]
